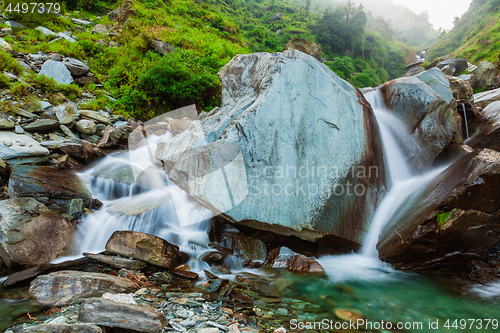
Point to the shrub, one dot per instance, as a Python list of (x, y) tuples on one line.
[(9, 64), (20, 90)]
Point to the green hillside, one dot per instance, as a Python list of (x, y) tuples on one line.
[(475, 36), (206, 34)]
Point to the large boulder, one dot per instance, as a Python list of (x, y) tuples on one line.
[(54, 187), (454, 219), (484, 131), (76, 67), (456, 65), (425, 103), (303, 45), (461, 89), (68, 287), (31, 234), (285, 152), (485, 75)]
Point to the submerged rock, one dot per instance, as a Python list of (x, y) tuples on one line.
[(262, 137), (248, 247), (112, 314), (31, 234), (149, 248), (456, 220), (68, 287), (426, 105)]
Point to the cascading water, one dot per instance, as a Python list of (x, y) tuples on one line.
[(403, 181), (465, 119), (163, 210)]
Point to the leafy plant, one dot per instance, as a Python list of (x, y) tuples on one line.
[(442, 218)]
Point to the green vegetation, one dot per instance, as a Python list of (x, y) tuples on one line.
[(475, 36), (206, 34), (442, 218)]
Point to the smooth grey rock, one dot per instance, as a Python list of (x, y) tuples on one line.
[(76, 67), (484, 98), (95, 116), (32, 234), (15, 25), (162, 47), (138, 204), (68, 287), (27, 68), (107, 313), (62, 328), (19, 130), (46, 32), (86, 126), (6, 124), (118, 172), (66, 113), (55, 57), (41, 126), (117, 262), (425, 103), (448, 70), (14, 145), (100, 29), (56, 70), (280, 112), (80, 22), (26, 114), (68, 132), (44, 105)]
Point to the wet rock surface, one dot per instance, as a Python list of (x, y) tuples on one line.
[(457, 220)]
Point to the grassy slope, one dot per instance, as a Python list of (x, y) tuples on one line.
[(475, 36)]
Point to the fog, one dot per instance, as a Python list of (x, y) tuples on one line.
[(441, 12)]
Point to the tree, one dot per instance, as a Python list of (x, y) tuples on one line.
[(308, 5)]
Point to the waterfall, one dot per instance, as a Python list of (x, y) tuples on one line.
[(163, 210), (404, 181), (465, 119)]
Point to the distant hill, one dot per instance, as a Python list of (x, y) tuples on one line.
[(475, 36)]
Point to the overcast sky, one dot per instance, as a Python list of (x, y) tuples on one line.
[(441, 12)]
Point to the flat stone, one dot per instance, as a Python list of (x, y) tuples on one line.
[(26, 114), (44, 105), (111, 314), (6, 124), (45, 31), (68, 37), (62, 328), (145, 247), (117, 261), (56, 70), (68, 287), (68, 132), (162, 47), (80, 22), (484, 98), (120, 298), (15, 25), (95, 116), (14, 146), (139, 204), (41, 126)]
